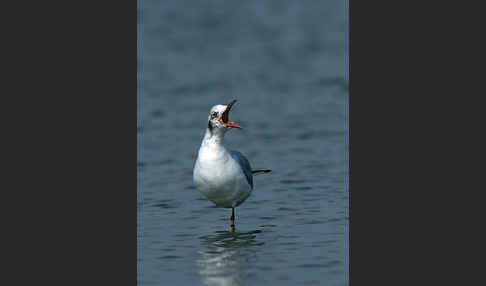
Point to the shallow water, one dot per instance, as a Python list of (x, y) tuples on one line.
[(285, 63)]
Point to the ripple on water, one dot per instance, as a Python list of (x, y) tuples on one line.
[(314, 195), (232, 240), (320, 265), (258, 202), (303, 188), (163, 162), (268, 225), (167, 204), (169, 257), (200, 211), (286, 209), (157, 113), (288, 243), (290, 181), (314, 221), (223, 234)]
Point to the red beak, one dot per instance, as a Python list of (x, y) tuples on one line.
[(225, 117)]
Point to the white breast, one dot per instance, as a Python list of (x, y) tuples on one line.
[(220, 178)]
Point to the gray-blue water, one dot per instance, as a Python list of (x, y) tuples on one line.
[(286, 64)]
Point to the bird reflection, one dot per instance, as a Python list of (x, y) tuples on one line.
[(228, 256)]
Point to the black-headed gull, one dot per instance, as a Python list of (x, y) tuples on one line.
[(223, 176)]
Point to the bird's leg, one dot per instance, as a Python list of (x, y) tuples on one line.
[(232, 218)]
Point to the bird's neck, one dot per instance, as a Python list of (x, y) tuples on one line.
[(213, 139)]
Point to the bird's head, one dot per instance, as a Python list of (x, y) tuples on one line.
[(218, 119)]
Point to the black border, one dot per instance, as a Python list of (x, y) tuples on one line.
[(412, 151), (70, 193)]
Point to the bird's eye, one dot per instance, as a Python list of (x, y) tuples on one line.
[(214, 115)]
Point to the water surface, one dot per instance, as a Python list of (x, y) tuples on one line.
[(286, 64)]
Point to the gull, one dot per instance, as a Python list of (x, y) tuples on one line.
[(223, 176)]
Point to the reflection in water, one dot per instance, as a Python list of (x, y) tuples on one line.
[(227, 258)]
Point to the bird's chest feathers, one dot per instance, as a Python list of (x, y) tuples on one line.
[(216, 169)]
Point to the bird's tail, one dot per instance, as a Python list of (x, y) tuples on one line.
[(257, 172)]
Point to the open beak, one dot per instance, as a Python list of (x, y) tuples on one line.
[(225, 117)]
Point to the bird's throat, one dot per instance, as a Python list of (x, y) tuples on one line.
[(214, 136)]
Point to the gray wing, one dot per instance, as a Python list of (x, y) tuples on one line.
[(245, 165)]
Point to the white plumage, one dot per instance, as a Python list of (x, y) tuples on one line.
[(222, 176)]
